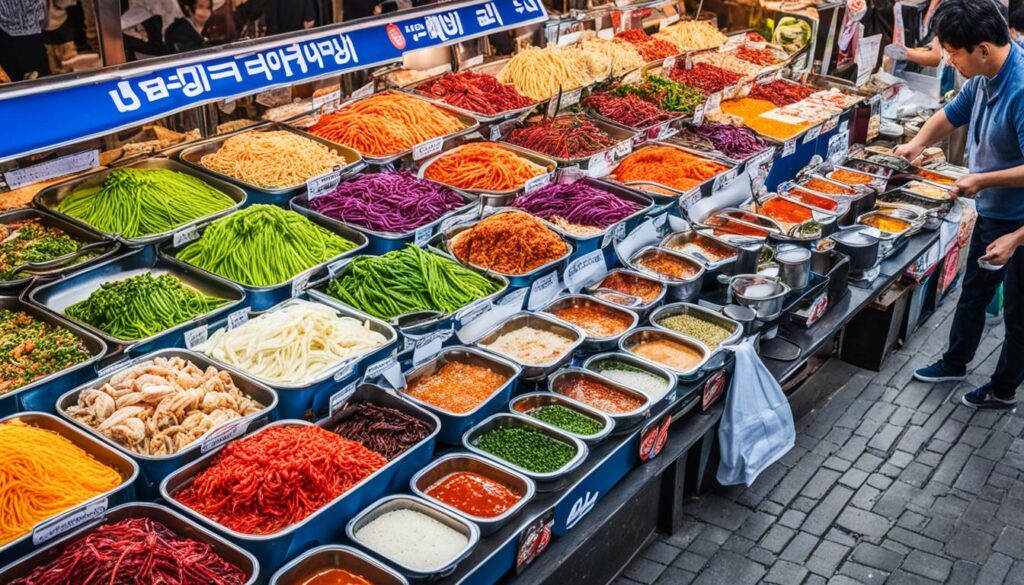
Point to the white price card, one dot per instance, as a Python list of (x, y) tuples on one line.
[(184, 236), (597, 166), (812, 134), (513, 299), (429, 345), (585, 270), (328, 100), (660, 221), (537, 182), (789, 147), (623, 148), (52, 169), (195, 337), (570, 174), (698, 115), (714, 102), (68, 521), (668, 64), (423, 235), (340, 398), (299, 283), (224, 434), (428, 148), (830, 124), (323, 184), (724, 180), (668, 21), (473, 61), (238, 318), (362, 92), (378, 368), (644, 235), (570, 98), (344, 372), (544, 290), (690, 199)]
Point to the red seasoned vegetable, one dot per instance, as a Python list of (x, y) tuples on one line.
[(651, 49), (566, 136), (266, 482), (627, 110), (477, 92), (705, 77), (136, 550), (757, 56), (782, 93)]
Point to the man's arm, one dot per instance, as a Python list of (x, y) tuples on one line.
[(930, 58), (1000, 251), (935, 129)]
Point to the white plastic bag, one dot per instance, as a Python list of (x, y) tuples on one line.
[(757, 425)]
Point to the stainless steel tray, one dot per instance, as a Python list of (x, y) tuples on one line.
[(671, 381), (548, 164), (414, 89), (537, 321), (527, 403), (643, 334), (545, 481), (334, 556), (623, 421), (592, 343), (620, 134)]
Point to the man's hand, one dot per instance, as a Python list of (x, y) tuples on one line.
[(909, 151), (968, 186), (1000, 251)]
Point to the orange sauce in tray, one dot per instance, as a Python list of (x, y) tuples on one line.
[(890, 225), (668, 353), (850, 177), (336, 577), (815, 200), (474, 494), (786, 211), (822, 186)]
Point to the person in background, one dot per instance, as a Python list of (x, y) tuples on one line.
[(289, 15), (186, 34), (1017, 23), (976, 40), (58, 36), (22, 52), (353, 9)]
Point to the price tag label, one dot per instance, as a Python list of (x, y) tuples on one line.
[(623, 148), (553, 107), (789, 147), (537, 182), (660, 221), (668, 21), (429, 345), (568, 175), (52, 169), (335, 267), (184, 236), (299, 283), (784, 187), (363, 92), (690, 199), (830, 124), (423, 235), (570, 98), (377, 369), (812, 134), (328, 100), (344, 372), (428, 148), (323, 184), (224, 434), (714, 102), (238, 318), (68, 521), (597, 166), (760, 159), (340, 398), (724, 180), (514, 299), (698, 115), (195, 337), (473, 61), (544, 290), (614, 234), (668, 64), (584, 270)]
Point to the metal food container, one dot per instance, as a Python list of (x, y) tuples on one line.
[(310, 399), (623, 421), (41, 394), (635, 304), (861, 200), (618, 133), (333, 556), (592, 343), (881, 234), (527, 403), (766, 307), (261, 298), (402, 502), (545, 481), (717, 352), (414, 89), (531, 372), (593, 363), (665, 194), (409, 323), (547, 163), (587, 244), (860, 247), (175, 522), (456, 462), (643, 334), (712, 266), (515, 280), (384, 242), (49, 198), (324, 525), (272, 195), (125, 467), (453, 425), (154, 468), (678, 289), (37, 273), (59, 295)]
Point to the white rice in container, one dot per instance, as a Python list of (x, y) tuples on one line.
[(412, 539), (652, 385)]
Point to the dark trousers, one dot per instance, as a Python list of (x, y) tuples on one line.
[(21, 56), (978, 289)]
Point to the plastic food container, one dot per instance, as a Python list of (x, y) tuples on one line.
[(456, 462), (261, 298), (41, 394), (638, 336), (391, 503), (49, 198), (545, 481), (453, 425), (154, 468), (334, 556), (125, 492), (169, 518), (59, 295), (543, 323), (590, 342)]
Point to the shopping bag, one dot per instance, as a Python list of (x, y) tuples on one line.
[(757, 426)]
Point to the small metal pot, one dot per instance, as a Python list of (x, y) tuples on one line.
[(794, 266), (862, 248), (768, 305)]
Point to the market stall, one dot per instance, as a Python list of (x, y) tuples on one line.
[(492, 307)]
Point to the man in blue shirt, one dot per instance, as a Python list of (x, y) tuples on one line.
[(976, 40)]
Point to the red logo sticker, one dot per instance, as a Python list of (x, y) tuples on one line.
[(712, 389), (395, 36)]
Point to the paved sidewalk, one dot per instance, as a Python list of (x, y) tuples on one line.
[(890, 481)]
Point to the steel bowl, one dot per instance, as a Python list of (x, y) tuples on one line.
[(767, 306), (633, 303), (862, 248), (527, 403)]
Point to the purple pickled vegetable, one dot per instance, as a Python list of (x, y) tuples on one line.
[(394, 201), (735, 142), (577, 203)]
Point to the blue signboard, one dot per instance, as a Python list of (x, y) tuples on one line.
[(43, 116)]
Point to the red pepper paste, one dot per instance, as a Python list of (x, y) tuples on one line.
[(815, 200), (457, 387), (600, 396), (596, 320), (669, 266), (850, 177), (336, 577), (786, 211), (646, 290), (474, 494)]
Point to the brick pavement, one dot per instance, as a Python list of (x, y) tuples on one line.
[(891, 481)]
